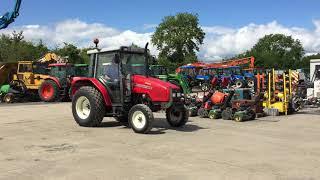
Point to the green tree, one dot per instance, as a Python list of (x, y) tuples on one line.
[(14, 48), (178, 39), (277, 51), (71, 52)]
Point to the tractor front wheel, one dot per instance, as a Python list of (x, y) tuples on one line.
[(88, 107), (49, 91), (177, 115), (141, 118)]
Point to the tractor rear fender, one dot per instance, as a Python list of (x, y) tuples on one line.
[(56, 80), (79, 82)]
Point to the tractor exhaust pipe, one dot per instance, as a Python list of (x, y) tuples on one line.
[(147, 59)]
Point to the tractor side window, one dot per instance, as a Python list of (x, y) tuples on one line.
[(107, 68)]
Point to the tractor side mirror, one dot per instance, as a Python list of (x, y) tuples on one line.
[(116, 59)]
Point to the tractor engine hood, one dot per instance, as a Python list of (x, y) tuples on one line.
[(156, 89)]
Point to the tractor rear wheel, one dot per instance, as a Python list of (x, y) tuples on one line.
[(49, 91), (141, 118), (177, 115), (88, 107)]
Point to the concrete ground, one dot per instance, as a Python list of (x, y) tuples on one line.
[(42, 141)]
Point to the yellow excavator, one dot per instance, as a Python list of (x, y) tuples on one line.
[(29, 75)]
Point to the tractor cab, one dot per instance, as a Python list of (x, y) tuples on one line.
[(120, 85), (111, 68), (61, 71)]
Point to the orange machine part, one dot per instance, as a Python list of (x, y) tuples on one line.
[(217, 97)]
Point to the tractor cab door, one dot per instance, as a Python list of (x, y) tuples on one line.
[(108, 73)]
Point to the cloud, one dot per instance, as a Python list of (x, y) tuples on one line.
[(220, 42), (81, 34)]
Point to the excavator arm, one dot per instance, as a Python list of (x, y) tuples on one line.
[(9, 17)]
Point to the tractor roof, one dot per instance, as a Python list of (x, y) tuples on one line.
[(122, 49)]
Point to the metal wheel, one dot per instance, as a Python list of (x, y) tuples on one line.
[(83, 107), (139, 119)]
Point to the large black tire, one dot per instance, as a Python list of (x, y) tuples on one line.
[(239, 83), (227, 114), (96, 107), (177, 115), (141, 118), (49, 91)]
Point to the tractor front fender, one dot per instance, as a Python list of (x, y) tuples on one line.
[(79, 82), (56, 80)]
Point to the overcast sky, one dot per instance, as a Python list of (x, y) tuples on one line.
[(231, 26)]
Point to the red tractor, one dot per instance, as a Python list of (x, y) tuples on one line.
[(117, 88), (56, 86)]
